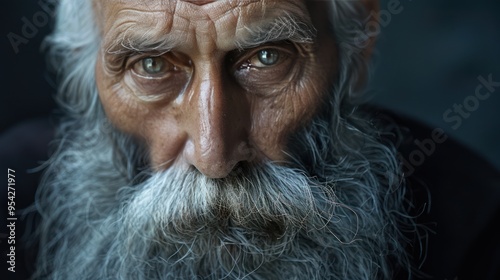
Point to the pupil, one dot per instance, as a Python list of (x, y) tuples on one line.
[(268, 56), (152, 65)]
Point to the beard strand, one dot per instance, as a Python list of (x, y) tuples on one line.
[(264, 221), (189, 225)]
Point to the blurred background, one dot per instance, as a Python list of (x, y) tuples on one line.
[(27, 86), (428, 59)]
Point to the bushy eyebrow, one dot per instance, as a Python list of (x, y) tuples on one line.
[(285, 27), (135, 39), (139, 40)]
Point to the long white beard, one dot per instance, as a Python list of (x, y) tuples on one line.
[(263, 222)]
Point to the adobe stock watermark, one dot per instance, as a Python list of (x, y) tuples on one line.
[(471, 103), (30, 27), (453, 116)]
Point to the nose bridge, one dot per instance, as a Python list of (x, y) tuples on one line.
[(213, 106), (218, 130)]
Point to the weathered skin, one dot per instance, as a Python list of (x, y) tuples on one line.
[(212, 105)]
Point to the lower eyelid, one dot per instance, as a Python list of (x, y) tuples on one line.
[(165, 75), (156, 89), (263, 81)]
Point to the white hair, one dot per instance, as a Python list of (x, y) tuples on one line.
[(337, 211)]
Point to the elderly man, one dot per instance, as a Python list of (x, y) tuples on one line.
[(220, 140)]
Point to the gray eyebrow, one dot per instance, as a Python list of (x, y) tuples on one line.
[(285, 27), (143, 43)]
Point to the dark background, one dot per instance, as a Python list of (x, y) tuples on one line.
[(428, 58), (27, 86)]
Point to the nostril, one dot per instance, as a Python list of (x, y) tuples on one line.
[(216, 170), (239, 169)]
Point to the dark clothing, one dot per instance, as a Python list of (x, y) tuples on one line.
[(464, 193)]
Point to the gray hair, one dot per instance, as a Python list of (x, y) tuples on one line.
[(338, 210)]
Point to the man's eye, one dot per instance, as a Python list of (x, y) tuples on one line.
[(268, 56), (265, 69), (153, 67), (265, 58)]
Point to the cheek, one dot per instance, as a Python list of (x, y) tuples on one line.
[(276, 119), (165, 143), (118, 105), (146, 122)]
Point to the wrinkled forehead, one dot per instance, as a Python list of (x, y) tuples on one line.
[(200, 9), (225, 23)]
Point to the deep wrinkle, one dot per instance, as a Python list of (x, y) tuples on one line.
[(267, 95)]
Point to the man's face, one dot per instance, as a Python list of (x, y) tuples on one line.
[(211, 84), (208, 85)]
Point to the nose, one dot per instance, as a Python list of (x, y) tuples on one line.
[(218, 124)]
